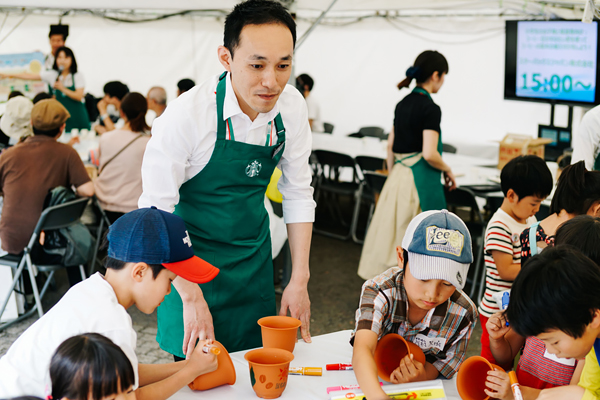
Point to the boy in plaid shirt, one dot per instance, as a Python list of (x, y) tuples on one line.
[(421, 300)]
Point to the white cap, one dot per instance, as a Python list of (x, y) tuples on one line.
[(16, 121)]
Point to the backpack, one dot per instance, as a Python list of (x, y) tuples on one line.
[(69, 246)]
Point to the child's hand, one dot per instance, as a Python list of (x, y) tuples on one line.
[(498, 385), (496, 326), (409, 370), (203, 362)]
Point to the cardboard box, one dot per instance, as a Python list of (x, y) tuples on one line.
[(514, 145)]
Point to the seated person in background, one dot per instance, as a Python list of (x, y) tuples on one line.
[(147, 250), (184, 85), (157, 103), (421, 300), (119, 182), (31, 169), (555, 298), (113, 94), (537, 369), (42, 96), (304, 83), (526, 181), (16, 120)]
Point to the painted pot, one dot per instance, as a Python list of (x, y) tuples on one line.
[(471, 378), (269, 371), (279, 332), (223, 375), (390, 350)]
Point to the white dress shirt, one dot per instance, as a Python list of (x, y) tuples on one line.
[(183, 140), (586, 141)]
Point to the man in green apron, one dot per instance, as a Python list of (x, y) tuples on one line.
[(210, 159)]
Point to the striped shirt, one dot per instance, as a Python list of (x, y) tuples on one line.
[(502, 234), (443, 334), (547, 372)]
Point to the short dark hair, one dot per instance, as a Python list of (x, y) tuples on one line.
[(116, 89), (556, 289), (68, 53), (425, 65), (581, 233), (577, 190), (51, 132), (117, 265), (42, 96), (135, 106), (526, 176), (185, 84), (255, 12), (14, 93), (304, 79), (89, 364)]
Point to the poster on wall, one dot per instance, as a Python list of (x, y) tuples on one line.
[(19, 63)]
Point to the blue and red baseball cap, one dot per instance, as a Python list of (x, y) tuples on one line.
[(154, 236)]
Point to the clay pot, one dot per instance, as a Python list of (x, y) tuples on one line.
[(269, 371), (279, 332), (390, 350), (471, 378), (223, 375)]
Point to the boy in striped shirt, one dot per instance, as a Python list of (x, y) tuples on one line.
[(526, 181)]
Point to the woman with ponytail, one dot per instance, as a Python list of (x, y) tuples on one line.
[(577, 193), (415, 164), (119, 182)]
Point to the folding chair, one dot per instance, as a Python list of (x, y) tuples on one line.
[(327, 127), (55, 217), (103, 224), (465, 198), (370, 131), (329, 165), (371, 186)]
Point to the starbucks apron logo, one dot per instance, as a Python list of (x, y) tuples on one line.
[(253, 169)]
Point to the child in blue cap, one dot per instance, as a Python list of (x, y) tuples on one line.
[(148, 248)]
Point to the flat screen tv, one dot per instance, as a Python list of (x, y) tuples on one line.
[(552, 62)]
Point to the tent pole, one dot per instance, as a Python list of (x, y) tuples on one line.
[(314, 25)]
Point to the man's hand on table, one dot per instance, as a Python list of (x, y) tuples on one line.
[(295, 299), (197, 320)]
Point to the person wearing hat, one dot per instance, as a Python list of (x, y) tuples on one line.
[(421, 300), (28, 171), (147, 249), (16, 120), (210, 159), (57, 37)]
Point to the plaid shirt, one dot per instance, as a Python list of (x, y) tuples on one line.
[(384, 309)]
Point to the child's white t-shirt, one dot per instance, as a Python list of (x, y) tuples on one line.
[(89, 306)]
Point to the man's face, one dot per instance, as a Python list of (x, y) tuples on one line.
[(564, 346), (260, 67), (112, 100), (56, 41)]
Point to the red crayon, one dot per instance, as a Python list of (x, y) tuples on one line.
[(339, 367)]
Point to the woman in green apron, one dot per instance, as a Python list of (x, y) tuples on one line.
[(415, 164), (67, 84)]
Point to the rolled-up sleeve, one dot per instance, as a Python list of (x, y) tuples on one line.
[(294, 185), (165, 159)]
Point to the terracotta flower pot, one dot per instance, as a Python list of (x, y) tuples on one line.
[(390, 350), (279, 332), (224, 374), (471, 378), (269, 371)]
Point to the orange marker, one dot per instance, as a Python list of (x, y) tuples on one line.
[(514, 385), (312, 371), (211, 349)]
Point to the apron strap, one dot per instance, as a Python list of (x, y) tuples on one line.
[(280, 129), (532, 239), (221, 129), (406, 158)]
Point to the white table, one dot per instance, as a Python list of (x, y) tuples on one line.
[(325, 349), (87, 143)]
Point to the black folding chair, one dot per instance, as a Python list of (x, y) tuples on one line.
[(465, 198), (370, 131), (327, 127), (448, 148), (55, 217), (366, 193), (329, 165)]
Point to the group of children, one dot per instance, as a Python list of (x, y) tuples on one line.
[(83, 348), (553, 315)]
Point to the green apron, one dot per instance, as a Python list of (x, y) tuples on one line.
[(597, 168), (79, 116), (223, 208), (427, 179)]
